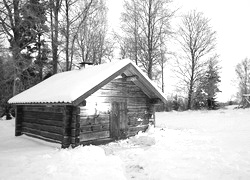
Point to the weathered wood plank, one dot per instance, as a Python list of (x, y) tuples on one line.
[(137, 106), (94, 128), (134, 130), (43, 121), (123, 116), (48, 115), (122, 93), (46, 134), (19, 119), (90, 120), (96, 110), (101, 84), (75, 126), (97, 141), (137, 100), (96, 104), (56, 109), (52, 129), (94, 98), (94, 135), (137, 110), (66, 121), (42, 138)]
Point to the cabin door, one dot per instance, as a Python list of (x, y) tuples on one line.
[(119, 120)]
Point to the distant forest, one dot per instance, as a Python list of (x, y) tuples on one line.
[(39, 38)]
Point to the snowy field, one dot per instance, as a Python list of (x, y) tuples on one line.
[(206, 145)]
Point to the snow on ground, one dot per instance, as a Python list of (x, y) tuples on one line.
[(183, 145)]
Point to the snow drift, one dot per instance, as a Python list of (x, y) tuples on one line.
[(183, 145)]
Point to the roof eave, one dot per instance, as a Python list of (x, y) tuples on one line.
[(41, 103)]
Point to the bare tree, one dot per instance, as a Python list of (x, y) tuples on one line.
[(130, 26), (92, 42), (197, 40), (243, 75), (75, 12), (164, 56), (145, 23)]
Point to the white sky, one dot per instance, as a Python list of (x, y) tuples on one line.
[(229, 18)]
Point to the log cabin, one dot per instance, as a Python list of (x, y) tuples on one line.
[(94, 105)]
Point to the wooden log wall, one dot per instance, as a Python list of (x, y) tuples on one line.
[(93, 124), (74, 126), (48, 123), (18, 123), (95, 116)]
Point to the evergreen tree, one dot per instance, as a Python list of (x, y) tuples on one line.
[(34, 18), (21, 22), (6, 83), (208, 88)]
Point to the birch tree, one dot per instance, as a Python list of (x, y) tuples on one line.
[(197, 40), (75, 15), (91, 42), (145, 23)]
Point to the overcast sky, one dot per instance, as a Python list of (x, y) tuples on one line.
[(229, 18)]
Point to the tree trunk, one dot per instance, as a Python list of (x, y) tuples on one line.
[(40, 63), (150, 61), (190, 92), (191, 86), (54, 29), (162, 76), (67, 35), (15, 47)]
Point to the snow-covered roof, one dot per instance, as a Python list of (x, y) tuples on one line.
[(71, 87)]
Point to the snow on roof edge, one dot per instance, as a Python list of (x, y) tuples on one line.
[(57, 97)]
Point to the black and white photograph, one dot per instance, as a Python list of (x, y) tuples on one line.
[(124, 90)]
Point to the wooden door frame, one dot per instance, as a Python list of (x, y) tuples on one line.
[(118, 120)]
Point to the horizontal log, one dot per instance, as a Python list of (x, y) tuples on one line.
[(42, 138), (104, 99), (97, 141), (137, 100), (95, 110), (95, 103), (115, 94), (91, 120), (137, 110), (134, 130), (137, 106), (120, 93), (43, 121), (95, 128), (41, 127), (42, 115), (94, 135), (56, 109), (45, 134), (134, 100), (137, 114)]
